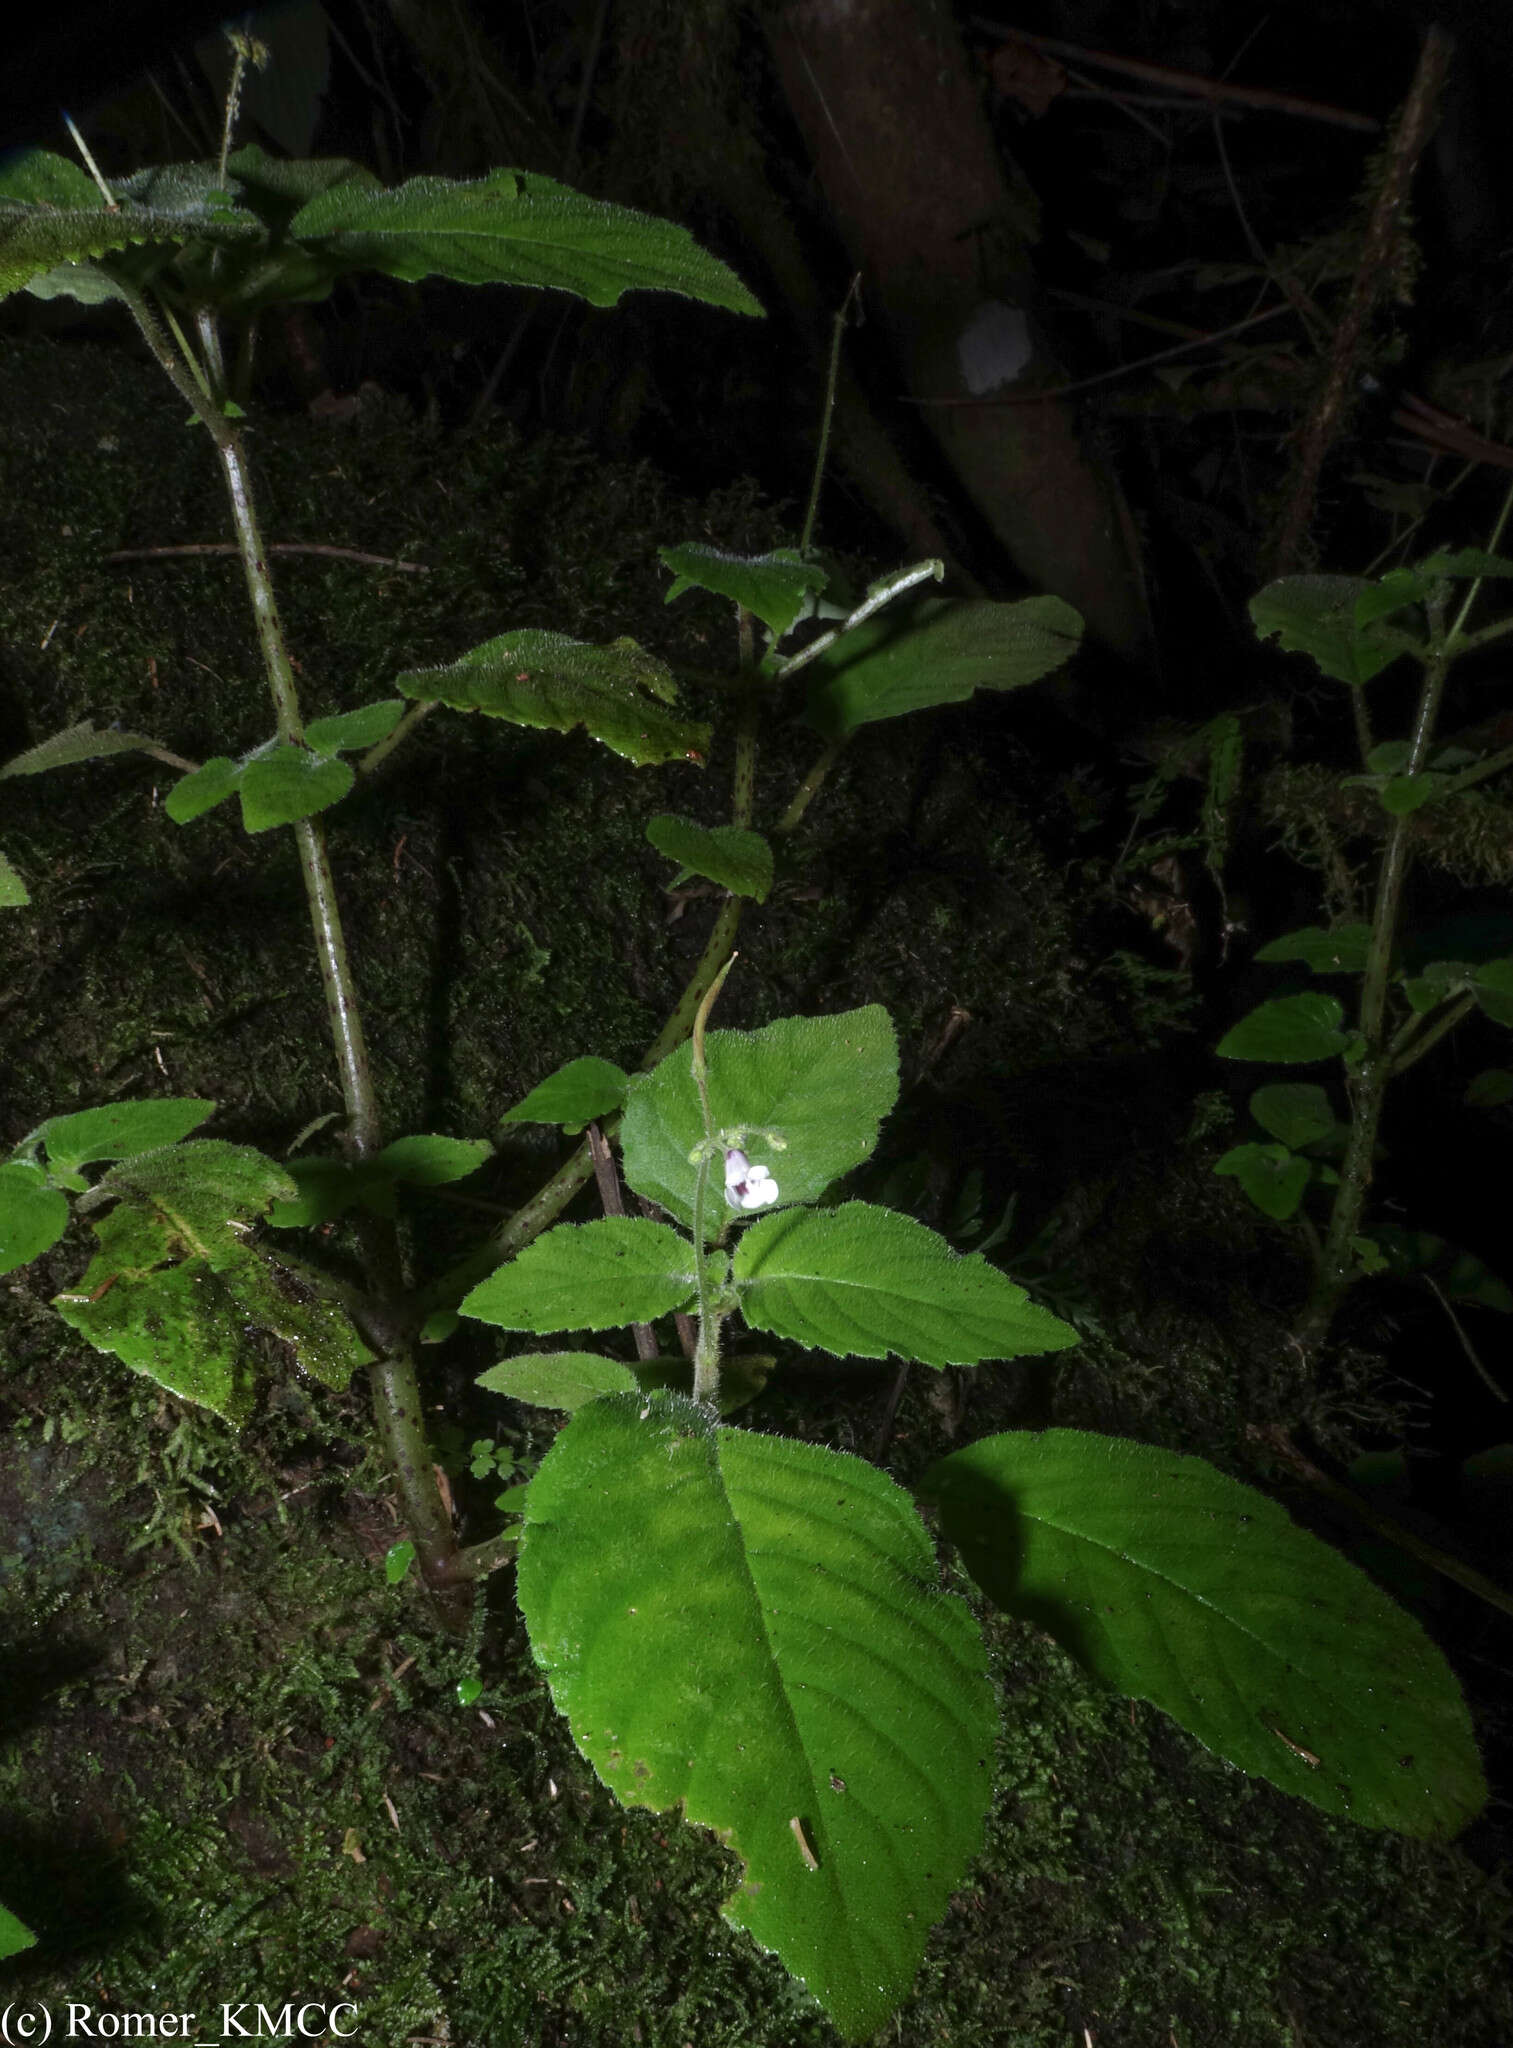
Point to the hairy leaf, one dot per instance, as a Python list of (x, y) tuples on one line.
[(1292, 1030), (737, 860), (1341, 951), (938, 651), (119, 1129), (1274, 1178), (551, 681), (1297, 1112), (589, 1276), (577, 1093), (773, 587), (821, 1084), (1179, 1585), (512, 227), (81, 742), (33, 1216), (1317, 616), (174, 1286), (751, 1629), (863, 1282)]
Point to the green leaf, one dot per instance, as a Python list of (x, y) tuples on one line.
[(427, 1161), (397, 1561), (13, 1936), (751, 1629), (1291, 1031), (548, 680), (1489, 1089), (203, 790), (823, 1084), (577, 1093), (79, 742), (1390, 593), (1178, 1585), (1274, 1178), (1297, 1112), (863, 1282), (44, 247), (1458, 1274), (33, 1216), (286, 783), (275, 187), (14, 894), (937, 651), (774, 587), (1493, 984), (175, 1286), (1316, 616), (351, 731), (589, 1276), (739, 861), (119, 1129), (1402, 794), (512, 227), (328, 1187), (1341, 951), (1466, 562), (558, 1379)]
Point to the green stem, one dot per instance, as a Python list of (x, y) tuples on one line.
[(1420, 1034), (837, 335), (1337, 1265), (395, 1380), (808, 789), (477, 1560)]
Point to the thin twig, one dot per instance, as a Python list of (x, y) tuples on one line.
[(1162, 355), (276, 547), (1191, 84)]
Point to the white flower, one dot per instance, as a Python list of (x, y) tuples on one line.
[(747, 1186)]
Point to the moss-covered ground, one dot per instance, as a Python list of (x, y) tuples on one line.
[(234, 1761)]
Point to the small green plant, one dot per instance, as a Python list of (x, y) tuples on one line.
[(1411, 988), (743, 1626)]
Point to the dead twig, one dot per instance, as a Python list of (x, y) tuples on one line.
[(278, 547), (1189, 84)]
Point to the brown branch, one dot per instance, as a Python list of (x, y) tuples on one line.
[(1191, 84), (1372, 275), (278, 547)]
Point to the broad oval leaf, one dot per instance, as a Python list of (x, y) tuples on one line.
[(1341, 951), (577, 1093), (199, 792), (1297, 1112), (1274, 1178), (937, 652), (33, 1216), (287, 783), (863, 1282), (349, 731), (174, 1286), (513, 227), (554, 682), (773, 587), (1316, 616), (589, 1276), (737, 860), (1179, 1585), (564, 1380), (823, 1084), (1292, 1030), (118, 1129), (751, 1628)]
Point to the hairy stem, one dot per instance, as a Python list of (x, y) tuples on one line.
[(1337, 1264)]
